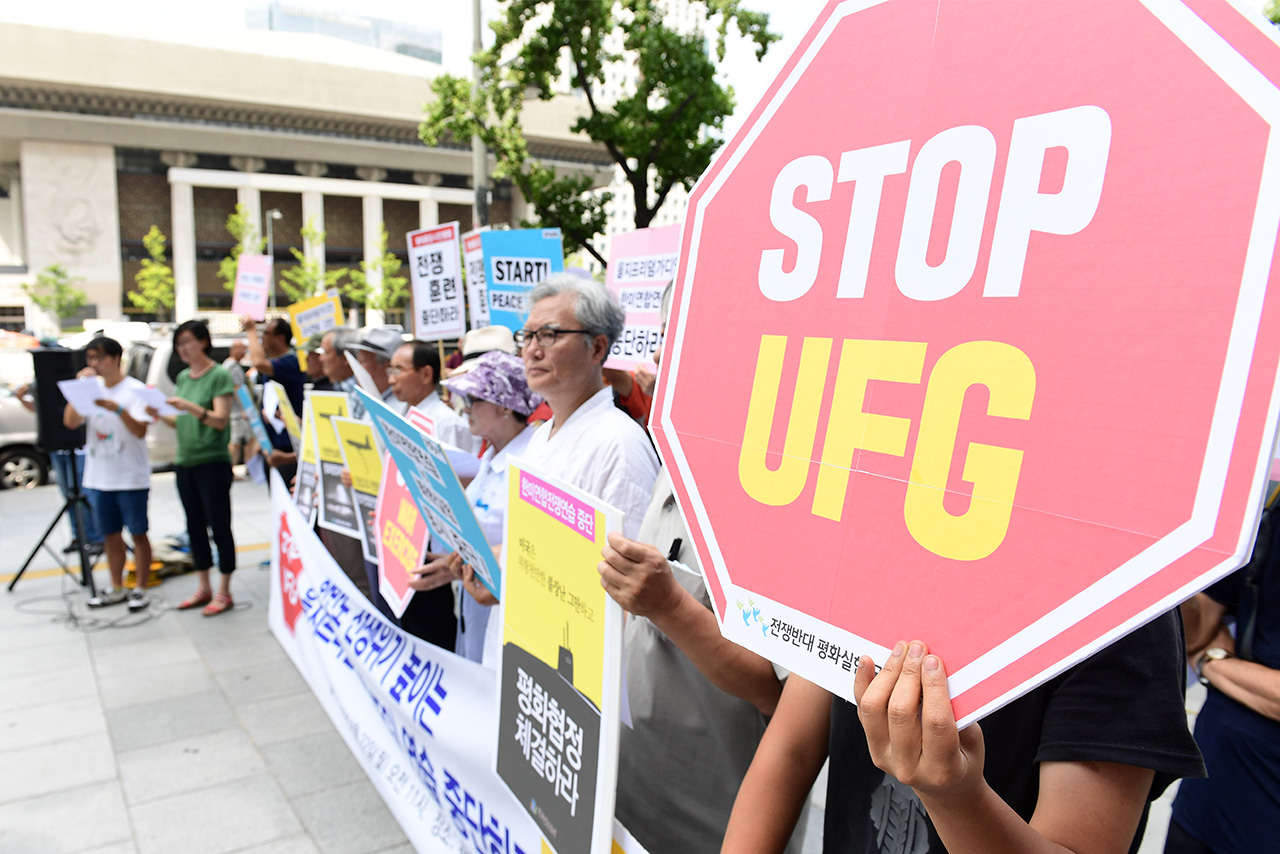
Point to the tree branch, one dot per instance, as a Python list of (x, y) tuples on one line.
[(580, 76)]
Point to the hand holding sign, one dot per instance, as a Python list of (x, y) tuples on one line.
[(638, 577), (439, 570)]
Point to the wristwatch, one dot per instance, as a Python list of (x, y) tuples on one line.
[(1215, 653)]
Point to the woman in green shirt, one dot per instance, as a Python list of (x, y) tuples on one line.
[(202, 466)]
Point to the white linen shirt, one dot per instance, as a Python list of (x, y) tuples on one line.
[(601, 450), (451, 427)]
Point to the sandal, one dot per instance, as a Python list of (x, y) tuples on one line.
[(200, 597), (219, 604)]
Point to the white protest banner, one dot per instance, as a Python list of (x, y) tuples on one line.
[(640, 265), (253, 282), (420, 721), (433, 268), (561, 681), (477, 293)]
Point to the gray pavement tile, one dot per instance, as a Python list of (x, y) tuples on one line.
[(398, 849), (293, 845), (149, 724), (118, 848), (176, 767), (124, 658), (248, 650), (49, 768), (216, 820), (43, 658), (153, 624), (74, 820), (312, 763), (32, 726), (284, 718), (158, 683), (350, 819), (37, 689), (260, 681)]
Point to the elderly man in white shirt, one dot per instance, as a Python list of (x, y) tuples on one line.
[(414, 373), (588, 442)]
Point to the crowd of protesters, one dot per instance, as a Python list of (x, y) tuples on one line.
[(723, 747)]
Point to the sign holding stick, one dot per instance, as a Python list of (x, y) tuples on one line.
[(437, 283), (251, 412), (560, 684), (253, 281)]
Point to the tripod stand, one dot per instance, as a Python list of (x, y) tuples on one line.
[(77, 505)]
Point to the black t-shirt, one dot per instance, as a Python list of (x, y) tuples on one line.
[(1124, 704)]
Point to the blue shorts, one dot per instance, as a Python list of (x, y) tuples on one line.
[(115, 511)]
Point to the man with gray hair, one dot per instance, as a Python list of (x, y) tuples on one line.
[(588, 442), (337, 370)]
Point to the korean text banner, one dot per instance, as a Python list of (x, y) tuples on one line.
[(477, 293), (641, 263), (418, 719), (434, 260), (253, 281), (561, 680), (515, 261), (362, 457), (436, 490)]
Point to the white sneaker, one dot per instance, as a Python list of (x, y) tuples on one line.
[(138, 600), (109, 596)]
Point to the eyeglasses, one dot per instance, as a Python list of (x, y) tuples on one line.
[(395, 370), (546, 336)]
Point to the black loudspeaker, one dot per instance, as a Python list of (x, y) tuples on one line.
[(51, 365)]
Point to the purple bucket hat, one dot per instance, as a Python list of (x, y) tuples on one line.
[(498, 378)]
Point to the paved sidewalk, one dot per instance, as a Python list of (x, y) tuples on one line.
[(171, 732), (165, 731)]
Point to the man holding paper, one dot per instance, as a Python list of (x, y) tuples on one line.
[(117, 471)]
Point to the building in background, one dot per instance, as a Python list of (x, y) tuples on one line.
[(103, 136), (379, 33)]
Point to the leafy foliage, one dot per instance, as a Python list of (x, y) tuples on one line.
[(662, 135), (1271, 11), (55, 293), (308, 278), (394, 288), (155, 280), (241, 229)]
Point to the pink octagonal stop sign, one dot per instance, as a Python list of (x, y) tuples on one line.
[(972, 340)]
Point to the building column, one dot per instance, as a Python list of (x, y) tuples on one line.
[(184, 251), (313, 215), (251, 199), (520, 210), (372, 252), (429, 208)]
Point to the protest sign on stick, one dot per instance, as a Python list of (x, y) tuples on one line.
[(256, 425), (363, 458), (336, 512), (514, 262), (253, 282), (307, 480), (918, 285), (402, 537), (314, 316), (641, 263), (477, 293), (560, 686), (434, 260)]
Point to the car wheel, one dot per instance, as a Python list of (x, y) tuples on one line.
[(23, 469)]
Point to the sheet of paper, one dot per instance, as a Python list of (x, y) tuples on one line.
[(256, 467), (150, 396), (363, 378), (82, 393)]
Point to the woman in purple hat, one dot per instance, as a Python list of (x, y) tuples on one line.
[(497, 401)]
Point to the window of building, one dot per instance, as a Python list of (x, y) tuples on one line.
[(13, 318)]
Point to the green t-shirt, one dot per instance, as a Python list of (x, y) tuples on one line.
[(199, 443)]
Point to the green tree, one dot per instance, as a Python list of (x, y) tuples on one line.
[(155, 280), (241, 229), (55, 292), (308, 278), (662, 135), (394, 289)]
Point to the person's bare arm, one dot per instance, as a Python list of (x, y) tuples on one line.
[(1247, 682), (786, 763), (911, 733), (620, 380), (21, 393), (71, 419), (257, 353), (133, 425), (1202, 619), (640, 579), (215, 416)]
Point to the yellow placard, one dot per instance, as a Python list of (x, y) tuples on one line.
[(308, 455), (291, 423), (554, 602), (324, 406), (310, 316), (360, 454)]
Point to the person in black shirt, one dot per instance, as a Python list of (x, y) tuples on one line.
[(1071, 764)]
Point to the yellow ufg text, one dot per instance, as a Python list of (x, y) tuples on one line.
[(1002, 368)]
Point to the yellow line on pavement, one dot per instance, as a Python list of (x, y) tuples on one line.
[(57, 570)]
